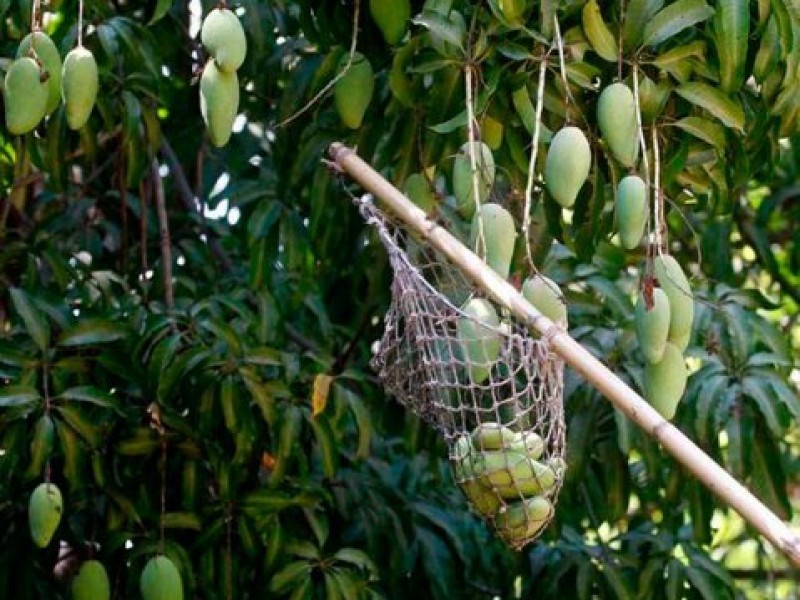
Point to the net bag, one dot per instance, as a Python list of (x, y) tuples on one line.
[(479, 378)]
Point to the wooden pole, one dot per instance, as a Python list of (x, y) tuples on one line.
[(712, 475)]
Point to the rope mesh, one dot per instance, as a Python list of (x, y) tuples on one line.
[(475, 374)]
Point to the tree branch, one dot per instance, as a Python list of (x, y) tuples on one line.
[(191, 203), (163, 229)]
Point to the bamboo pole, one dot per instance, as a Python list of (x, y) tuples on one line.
[(712, 475)]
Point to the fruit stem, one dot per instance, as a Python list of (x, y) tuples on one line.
[(526, 219), (480, 248), (563, 66), (645, 159), (80, 24), (658, 198)]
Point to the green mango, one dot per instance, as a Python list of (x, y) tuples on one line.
[(391, 17), (50, 58), (512, 474), (480, 345), (161, 580), (25, 96), (665, 381), (79, 85), (546, 297), (463, 189), (528, 443), (631, 209), (652, 326), (616, 117), (673, 281), (353, 91), (461, 448), (91, 582), (519, 522), (558, 465), (569, 160), (499, 234), (223, 36), (45, 508), (418, 189), (492, 436), (219, 102)]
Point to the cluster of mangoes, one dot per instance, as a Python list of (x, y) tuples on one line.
[(500, 472), (160, 579), (223, 37), (37, 81), (663, 314)]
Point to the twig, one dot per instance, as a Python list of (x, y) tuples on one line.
[(480, 245), (526, 218), (339, 75), (190, 202), (163, 230)]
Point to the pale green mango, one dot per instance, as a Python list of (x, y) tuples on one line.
[(161, 580), (673, 281), (91, 582), (25, 96), (665, 381), (492, 436), (79, 85), (528, 443), (631, 210), (223, 36), (45, 508), (520, 521), (352, 93), (418, 189), (463, 189), (569, 160), (219, 102), (652, 326), (546, 297), (512, 474), (616, 117), (48, 55), (480, 345), (499, 235), (391, 17)]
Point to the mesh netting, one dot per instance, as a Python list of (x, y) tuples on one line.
[(476, 375)]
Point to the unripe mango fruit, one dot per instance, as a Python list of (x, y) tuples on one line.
[(631, 209), (499, 236), (353, 91), (463, 189), (25, 96), (528, 443), (44, 513), (520, 521), (219, 102), (512, 474), (616, 117), (50, 58), (673, 281), (223, 36), (567, 166), (418, 189), (161, 580), (546, 297), (391, 17), (665, 381), (79, 85), (652, 326), (480, 345), (91, 582), (492, 436)]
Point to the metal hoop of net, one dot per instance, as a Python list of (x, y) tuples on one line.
[(477, 375)]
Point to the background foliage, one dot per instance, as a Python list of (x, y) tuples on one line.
[(205, 399)]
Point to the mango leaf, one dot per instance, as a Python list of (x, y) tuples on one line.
[(290, 577), (758, 390), (89, 332), (726, 109), (162, 8), (182, 520), (637, 14), (35, 322), (323, 432), (708, 131), (269, 500), (440, 27), (91, 395), (357, 558), (768, 478), (675, 18), (18, 395)]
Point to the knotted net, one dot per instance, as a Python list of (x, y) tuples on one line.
[(474, 373)]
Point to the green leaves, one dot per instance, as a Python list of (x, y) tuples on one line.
[(731, 32), (34, 320), (724, 108), (673, 19)]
